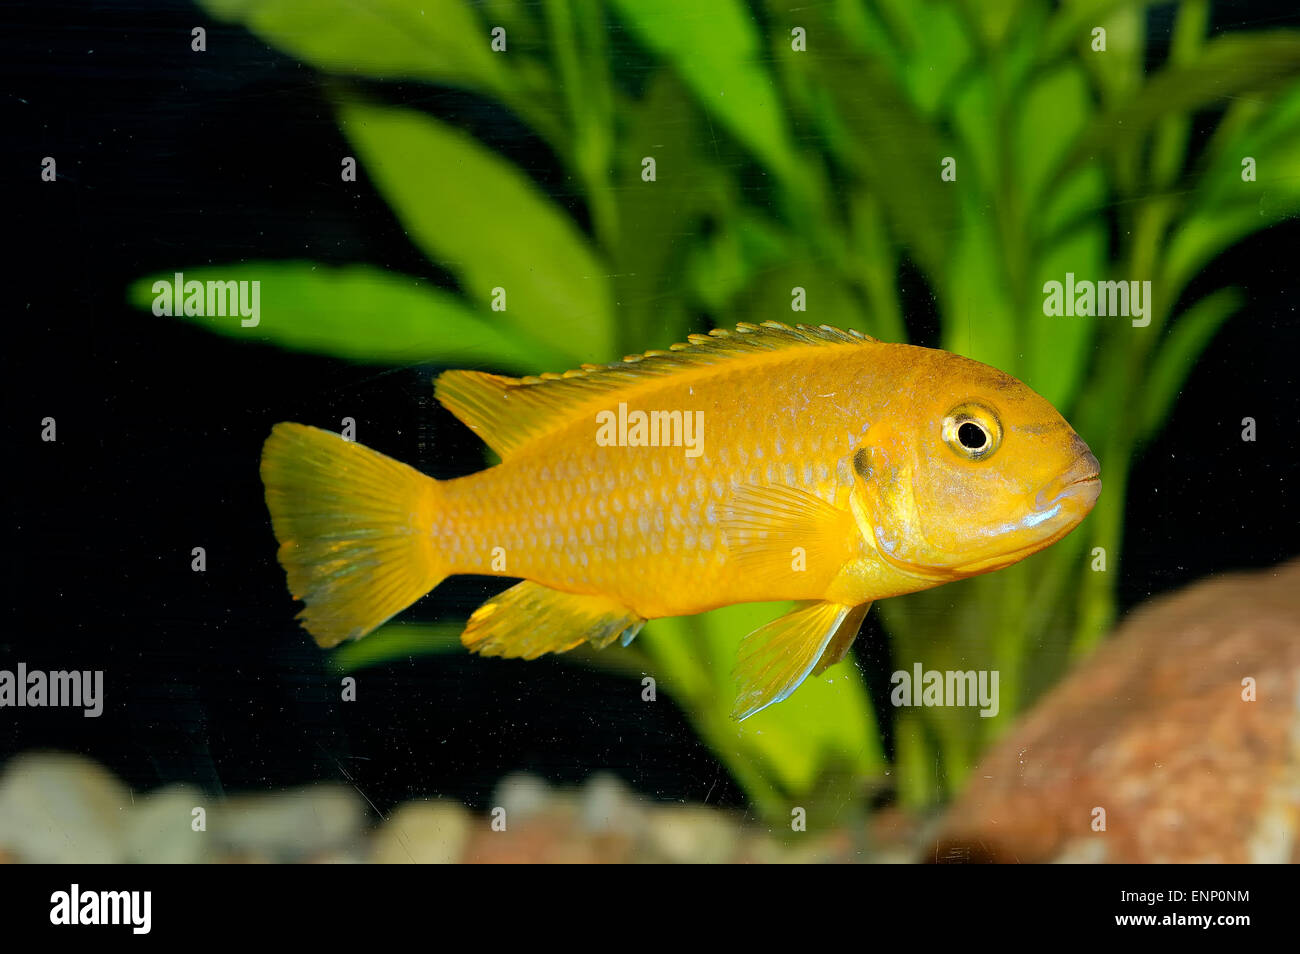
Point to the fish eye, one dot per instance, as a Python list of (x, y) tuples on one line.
[(972, 430), (972, 436)]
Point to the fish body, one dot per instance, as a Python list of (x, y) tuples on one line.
[(648, 525), (768, 463)]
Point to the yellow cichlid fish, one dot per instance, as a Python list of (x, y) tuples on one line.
[(765, 463)]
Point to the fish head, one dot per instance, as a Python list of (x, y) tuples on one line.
[(974, 472)]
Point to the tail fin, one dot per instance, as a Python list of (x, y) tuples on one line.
[(355, 530)]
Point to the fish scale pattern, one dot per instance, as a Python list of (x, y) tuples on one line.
[(645, 524)]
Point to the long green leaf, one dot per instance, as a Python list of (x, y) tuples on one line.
[(1223, 208), (487, 222), (1188, 337), (356, 312), (979, 317), (663, 126), (716, 49), (896, 152), (1227, 66), (397, 641), (439, 40)]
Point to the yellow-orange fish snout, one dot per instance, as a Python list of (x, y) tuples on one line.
[(1076, 490), (1045, 516)]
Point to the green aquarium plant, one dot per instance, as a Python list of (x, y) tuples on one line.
[(807, 163)]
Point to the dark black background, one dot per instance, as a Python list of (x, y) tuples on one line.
[(169, 158)]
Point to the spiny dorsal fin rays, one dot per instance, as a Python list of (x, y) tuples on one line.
[(510, 413)]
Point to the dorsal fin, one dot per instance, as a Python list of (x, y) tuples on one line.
[(511, 413)]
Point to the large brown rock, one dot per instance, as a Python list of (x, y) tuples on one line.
[(1157, 730)]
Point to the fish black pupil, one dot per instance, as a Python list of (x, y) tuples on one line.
[(972, 436)]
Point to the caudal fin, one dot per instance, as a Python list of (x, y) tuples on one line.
[(355, 530)]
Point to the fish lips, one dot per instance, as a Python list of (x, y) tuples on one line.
[(1078, 487)]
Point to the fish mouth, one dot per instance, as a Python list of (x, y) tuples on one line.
[(1080, 484)]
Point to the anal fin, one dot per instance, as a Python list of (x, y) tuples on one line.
[(774, 659), (529, 620)]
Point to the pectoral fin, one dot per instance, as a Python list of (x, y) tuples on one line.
[(774, 532), (528, 620), (774, 659), (839, 645)]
